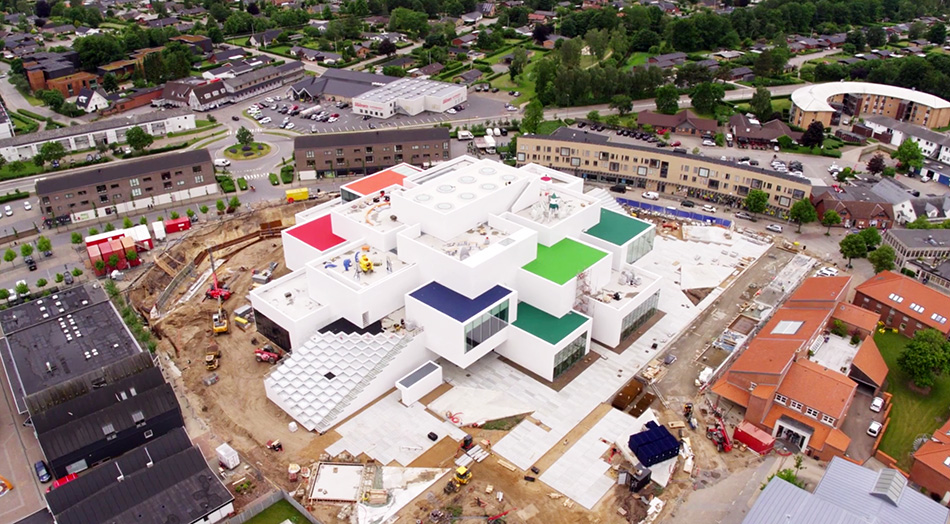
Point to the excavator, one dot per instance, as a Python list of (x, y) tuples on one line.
[(462, 477), (212, 357), (219, 319)]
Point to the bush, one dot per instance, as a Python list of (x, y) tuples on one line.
[(274, 180), (833, 153), (287, 174), (16, 195), (909, 272), (226, 182), (242, 183)]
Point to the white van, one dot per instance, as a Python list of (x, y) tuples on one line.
[(221, 162), (489, 132), (466, 135), (708, 208)]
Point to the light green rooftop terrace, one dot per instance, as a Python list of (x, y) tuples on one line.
[(563, 261), (548, 328), (616, 228)]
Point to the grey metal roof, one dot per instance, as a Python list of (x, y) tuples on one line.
[(784, 503), (852, 488), (163, 485), (77, 434), (93, 127), (910, 129), (122, 170), (97, 378), (370, 137), (922, 238), (891, 191)]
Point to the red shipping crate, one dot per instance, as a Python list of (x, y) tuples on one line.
[(177, 225), (94, 253)]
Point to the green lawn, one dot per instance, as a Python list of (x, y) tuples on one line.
[(277, 513), (912, 415), (254, 152), (279, 49), (548, 126), (239, 41), (524, 83), (636, 59)]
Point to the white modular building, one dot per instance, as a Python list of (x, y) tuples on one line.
[(409, 96), (447, 265)]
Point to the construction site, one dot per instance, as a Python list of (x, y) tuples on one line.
[(436, 460)]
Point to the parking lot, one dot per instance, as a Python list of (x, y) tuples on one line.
[(478, 109)]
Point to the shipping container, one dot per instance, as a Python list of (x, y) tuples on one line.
[(159, 229), (105, 237), (177, 225), (296, 195), (142, 238), (119, 251), (129, 245), (750, 435), (227, 457), (94, 253)]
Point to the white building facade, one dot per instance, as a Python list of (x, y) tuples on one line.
[(449, 264), (410, 96)]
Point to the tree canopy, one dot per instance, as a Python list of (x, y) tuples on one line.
[(925, 357), (803, 212)]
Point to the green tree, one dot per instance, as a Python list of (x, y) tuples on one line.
[(4, 294), (16, 166), (882, 259), (876, 165), (26, 250), (622, 103), (9, 255), (93, 231), (244, 136), (761, 104), (143, 221), (707, 96), (43, 244), (109, 227), (853, 246), (871, 237), (76, 238), (756, 201), (53, 99), (190, 213), (925, 357), (41, 283), (234, 203), (174, 215), (51, 151), (533, 116), (667, 99), (788, 475), (937, 33), (814, 135), (221, 206), (876, 36), (593, 116), (803, 212), (59, 278), (908, 155), (127, 222), (203, 209), (100, 266), (131, 255), (22, 289), (138, 139), (76, 272), (110, 83), (519, 60)]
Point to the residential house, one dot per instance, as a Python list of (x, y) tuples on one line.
[(466, 40), (551, 41), (363, 49), (402, 62), (847, 492), (728, 54), (902, 303), (131, 99), (677, 58), (925, 252), (162, 23), (264, 39), (305, 53), (748, 131), (91, 101), (321, 25), (487, 9), (429, 70), (201, 44), (472, 18), (684, 122), (226, 55), (933, 145), (834, 41), (61, 29), (796, 380), (741, 74), (470, 76), (931, 467), (541, 17), (377, 20), (860, 205)]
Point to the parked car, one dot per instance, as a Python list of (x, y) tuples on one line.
[(828, 272), (775, 228), (708, 143), (875, 428), (675, 143), (332, 119), (688, 203), (650, 195), (8, 211), (27, 206), (30, 263), (235, 118), (42, 472), (266, 120), (68, 278), (366, 117), (877, 404), (618, 188), (708, 208), (290, 125), (269, 100), (744, 215)]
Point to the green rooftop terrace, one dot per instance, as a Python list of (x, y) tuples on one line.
[(563, 261), (616, 228), (547, 327)]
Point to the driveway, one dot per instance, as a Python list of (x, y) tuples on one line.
[(19, 451), (856, 426)]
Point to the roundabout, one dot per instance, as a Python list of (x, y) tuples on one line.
[(249, 152)]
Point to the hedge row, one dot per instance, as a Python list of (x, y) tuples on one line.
[(226, 183), (16, 195)]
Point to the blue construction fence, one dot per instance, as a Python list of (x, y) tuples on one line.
[(676, 212)]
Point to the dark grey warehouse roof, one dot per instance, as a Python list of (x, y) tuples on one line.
[(73, 435), (121, 171), (93, 127), (82, 333), (369, 138), (98, 378), (166, 480)]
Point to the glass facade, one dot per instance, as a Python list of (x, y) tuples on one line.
[(639, 316), (571, 353), (485, 325), (641, 246)]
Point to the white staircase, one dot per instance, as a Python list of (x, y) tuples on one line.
[(606, 200), (322, 378)]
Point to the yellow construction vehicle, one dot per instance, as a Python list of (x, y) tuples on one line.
[(219, 320), (462, 477), (212, 357)]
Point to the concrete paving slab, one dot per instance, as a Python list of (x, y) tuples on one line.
[(470, 405), (388, 431)]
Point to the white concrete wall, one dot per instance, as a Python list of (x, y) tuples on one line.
[(608, 319), (301, 325), (617, 253), (297, 252), (422, 387), (546, 295), (348, 228), (537, 355)]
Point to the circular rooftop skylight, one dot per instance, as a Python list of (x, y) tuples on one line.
[(445, 188), (508, 177), (423, 197), (467, 179), (487, 171), (445, 206), (489, 186), (467, 196)]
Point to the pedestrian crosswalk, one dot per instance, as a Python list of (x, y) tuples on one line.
[(254, 176), (254, 130)]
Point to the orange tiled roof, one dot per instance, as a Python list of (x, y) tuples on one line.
[(818, 387), (868, 359), (731, 392), (856, 316), (943, 433), (933, 454), (838, 440), (766, 392), (766, 356), (820, 430), (881, 286), (821, 289)]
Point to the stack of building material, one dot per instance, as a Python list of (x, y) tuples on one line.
[(654, 445), (476, 454)]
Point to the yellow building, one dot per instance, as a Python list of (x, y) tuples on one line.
[(673, 172), (826, 103)]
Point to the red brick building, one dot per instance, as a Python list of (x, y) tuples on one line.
[(70, 85), (903, 303), (781, 379), (931, 467)]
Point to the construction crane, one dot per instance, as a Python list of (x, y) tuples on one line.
[(219, 319), (216, 290)]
